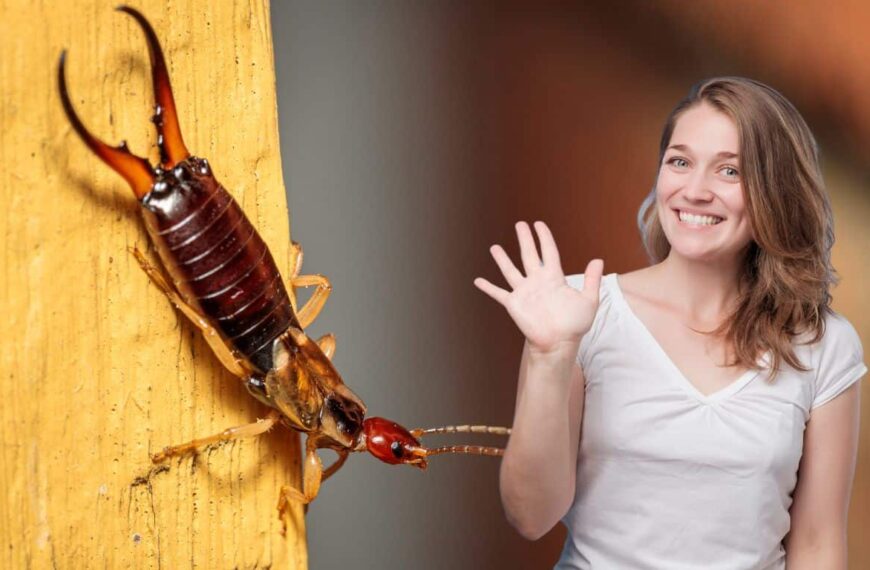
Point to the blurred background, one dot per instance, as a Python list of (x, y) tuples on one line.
[(414, 135)]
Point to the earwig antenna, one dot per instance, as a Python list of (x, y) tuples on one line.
[(467, 450), (493, 430), (464, 449)]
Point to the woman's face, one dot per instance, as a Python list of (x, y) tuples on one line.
[(700, 174)]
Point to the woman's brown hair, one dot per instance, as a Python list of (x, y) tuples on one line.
[(787, 274)]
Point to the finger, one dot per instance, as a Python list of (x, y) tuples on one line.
[(549, 251), (528, 250), (508, 269), (592, 277), (493, 291)]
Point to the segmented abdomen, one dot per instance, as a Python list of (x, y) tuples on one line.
[(217, 259)]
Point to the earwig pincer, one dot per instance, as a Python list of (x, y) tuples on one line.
[(223, 278)]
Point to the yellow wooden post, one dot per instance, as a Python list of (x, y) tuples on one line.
[(98, 369)]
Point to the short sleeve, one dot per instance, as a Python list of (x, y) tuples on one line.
[(576, 282), (840, 361)]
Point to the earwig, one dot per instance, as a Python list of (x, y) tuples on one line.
[(223, 278)]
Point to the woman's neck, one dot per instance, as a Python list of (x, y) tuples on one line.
[(703, 292)]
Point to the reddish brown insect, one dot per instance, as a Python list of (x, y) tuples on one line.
[(224, 279)]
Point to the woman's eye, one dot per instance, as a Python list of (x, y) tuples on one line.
[(678, 162)]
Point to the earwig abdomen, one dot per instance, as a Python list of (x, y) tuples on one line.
[(218, 261)]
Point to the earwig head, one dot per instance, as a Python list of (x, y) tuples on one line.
[(391, 443)]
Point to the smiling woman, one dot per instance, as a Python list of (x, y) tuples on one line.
[(643, 419), (690, 178), (778, 230)]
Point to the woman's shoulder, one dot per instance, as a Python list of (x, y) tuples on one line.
[(838, 358), (840, 332), (630, 283), (608, 294), (608, 297), (837, 332)]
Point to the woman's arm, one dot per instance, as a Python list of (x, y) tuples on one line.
[(539, 466), (538, 472), (819, 513)]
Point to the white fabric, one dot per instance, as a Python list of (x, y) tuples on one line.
[(670, 479)]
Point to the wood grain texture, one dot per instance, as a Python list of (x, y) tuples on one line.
[(98, 369)]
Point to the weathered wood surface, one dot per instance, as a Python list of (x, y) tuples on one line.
[(98, 369)]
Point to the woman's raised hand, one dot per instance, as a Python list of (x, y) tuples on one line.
[(549, 312)]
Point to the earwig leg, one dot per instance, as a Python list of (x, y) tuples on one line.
[(225, 354), (248, 430), (295, 259), (314, 305), (327, 345), (295, 270), (342, 457), (312, 475)]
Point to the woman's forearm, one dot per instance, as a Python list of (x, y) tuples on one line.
[(823, 554), (538, 469)]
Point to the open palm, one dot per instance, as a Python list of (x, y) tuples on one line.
[(547, 310)]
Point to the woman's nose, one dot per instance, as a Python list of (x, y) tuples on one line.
[(697, 187)]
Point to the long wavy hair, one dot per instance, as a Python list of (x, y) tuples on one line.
[(786, 276)]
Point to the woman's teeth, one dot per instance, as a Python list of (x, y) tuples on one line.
[(699, 220)]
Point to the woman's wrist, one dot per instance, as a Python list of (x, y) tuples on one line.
[(551, 369), (558, 352)]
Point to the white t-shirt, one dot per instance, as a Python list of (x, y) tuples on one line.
[(668, 478)]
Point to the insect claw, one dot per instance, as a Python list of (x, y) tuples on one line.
[(160, 456), (135, 169), (169, 139)]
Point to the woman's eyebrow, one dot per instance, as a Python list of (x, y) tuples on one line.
[(684, 148)]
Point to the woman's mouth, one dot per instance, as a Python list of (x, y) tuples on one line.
[(697, 221)]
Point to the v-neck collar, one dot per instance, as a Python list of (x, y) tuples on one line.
[(735, 386)]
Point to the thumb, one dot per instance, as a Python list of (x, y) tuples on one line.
[(592, 277)]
